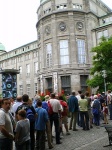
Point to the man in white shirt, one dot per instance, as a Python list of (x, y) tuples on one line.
[(16, 104), (54, 117), (6, 126)]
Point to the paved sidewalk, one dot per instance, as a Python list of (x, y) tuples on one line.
[(94, 139)]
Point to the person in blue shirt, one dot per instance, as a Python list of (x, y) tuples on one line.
[(73, 109), (40, 125)]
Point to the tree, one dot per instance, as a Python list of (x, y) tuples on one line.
[(102, 60)]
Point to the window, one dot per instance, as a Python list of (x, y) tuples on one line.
[(101, 34), (27, 70), (20, 69), (83, 79), (28, 89), (81, 51), (49, 84), (64, 55), (35, 67), (21, 89), (48, 55), (65, 84)]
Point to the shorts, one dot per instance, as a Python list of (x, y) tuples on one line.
[(64, 120)]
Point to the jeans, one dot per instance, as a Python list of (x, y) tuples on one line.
[(84, 119), (24, 146), (40, 139), (55, 118), (6, 144)]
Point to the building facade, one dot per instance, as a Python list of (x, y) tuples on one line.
[(60, 59)]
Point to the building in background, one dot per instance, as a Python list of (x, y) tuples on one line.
[(60, 59)]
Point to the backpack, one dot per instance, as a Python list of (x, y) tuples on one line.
[(30, 115), (50, 110)]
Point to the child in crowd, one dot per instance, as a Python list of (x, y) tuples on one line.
[(105, 113), (22, 132)]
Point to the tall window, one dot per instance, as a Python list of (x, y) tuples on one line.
[(66, 84), (49, 84), (28, 89), (35, 67), (21, 89), (102, 33), (64, 54), (48, 55), (27, 70), (81, 51), (83, 79)]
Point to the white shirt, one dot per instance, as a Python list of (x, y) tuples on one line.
[(56, 106)]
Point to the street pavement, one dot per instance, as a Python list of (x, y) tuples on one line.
[(93, 139)]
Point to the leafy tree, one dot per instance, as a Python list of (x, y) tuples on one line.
[(102, 60)]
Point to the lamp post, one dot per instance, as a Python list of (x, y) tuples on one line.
[(104, 76)]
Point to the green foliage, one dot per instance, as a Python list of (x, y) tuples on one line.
[(102, 60)]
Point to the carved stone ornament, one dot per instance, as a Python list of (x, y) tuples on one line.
[(47, 30), (62, 26), (79, 26)]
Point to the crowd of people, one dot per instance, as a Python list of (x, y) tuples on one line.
[(29, 122)]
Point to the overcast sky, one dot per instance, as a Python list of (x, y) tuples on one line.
[(18, 22)]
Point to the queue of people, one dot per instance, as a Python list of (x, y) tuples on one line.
[(29, 122)]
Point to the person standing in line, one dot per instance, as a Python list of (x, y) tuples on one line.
[(105, 113), (73, 109), (16, 104), (109, 103), (25, 106), (40, 126), (55, 116), (6, 126), (64, 114), (48, 126), (83, 104), (96, 109), (22, 132), (78, 96), (89, 108)]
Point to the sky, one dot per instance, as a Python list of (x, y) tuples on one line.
[(18, 20)]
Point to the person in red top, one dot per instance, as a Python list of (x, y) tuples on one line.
[(64, 114)]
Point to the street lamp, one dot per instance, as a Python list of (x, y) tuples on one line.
[(104, 76)]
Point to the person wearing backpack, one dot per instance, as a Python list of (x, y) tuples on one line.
[(109, 103), (31, 115)]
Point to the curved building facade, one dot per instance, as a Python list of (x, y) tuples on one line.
[(65, 39), (60, 59)]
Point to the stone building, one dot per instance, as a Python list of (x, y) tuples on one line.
[(60, 59)]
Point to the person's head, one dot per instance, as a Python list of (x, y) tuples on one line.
[(103, 104), (52, 95), (79, 91), (82, 96), (6, 104), (19, 99), (73, 93), (21, 114), (30, 102), (37, 98), (39, 103), (25, 98), (61, 97), (87, 93), (109, 91), (47, 97), (95, 96)]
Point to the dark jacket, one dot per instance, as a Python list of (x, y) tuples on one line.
[(73, 104)]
